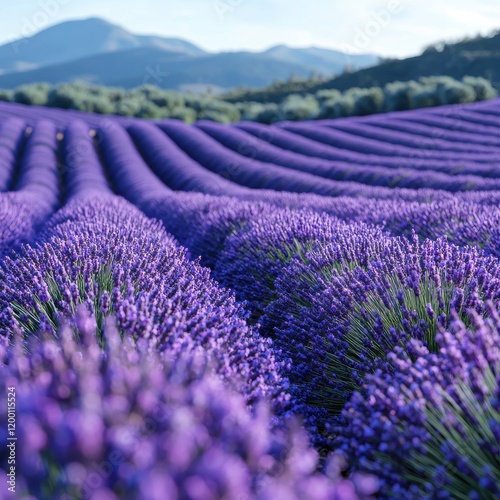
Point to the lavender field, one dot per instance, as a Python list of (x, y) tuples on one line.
[(307, 310)]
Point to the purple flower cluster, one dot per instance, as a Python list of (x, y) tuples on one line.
[(343, 308), (430, 428), (104, 253), (254, 257), (128, 423), (202, 223), (336, 297), (463, 220)]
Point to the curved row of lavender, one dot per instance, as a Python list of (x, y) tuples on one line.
[(355, 305), (29, 172)]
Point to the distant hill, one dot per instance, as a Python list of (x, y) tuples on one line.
[(73, 40), (325, 61), (476, 57), (135, 67), (97, 51)]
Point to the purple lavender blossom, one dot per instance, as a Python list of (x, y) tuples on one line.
[(104, 253), (429, 428), (128, 421)]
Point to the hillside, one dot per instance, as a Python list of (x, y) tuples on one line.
[(479, 57)]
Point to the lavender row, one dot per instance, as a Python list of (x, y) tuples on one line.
[(464, 221), (453, 130), (12, 135), (83, 173), (62, 117), (451, 122), (37, 192), (464, 114), (342, 140), (303, 145), (254, 148), (129, 173), (174, 166), (202, 222), (102, 252), (463, 142), (259, 175), (39, 165), (254, 174)]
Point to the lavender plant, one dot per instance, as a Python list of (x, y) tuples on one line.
[(336, 320), (104, 253), (131, 423), (430, 427)]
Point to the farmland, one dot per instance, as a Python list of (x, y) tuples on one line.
[(304, 310)]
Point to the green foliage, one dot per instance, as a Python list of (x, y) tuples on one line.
[(327, 95), (482, 87), (403, 310), (262, 113), (187, 115), (6, 95), (296, 107), (468, 442), (425, 97), (300, 103), (48, 310), (367, 101), (36, 94), (399, 96)]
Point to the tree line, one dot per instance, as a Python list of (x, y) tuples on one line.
[(152, 102)]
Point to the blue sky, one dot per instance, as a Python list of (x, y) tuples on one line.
[(386, 27)]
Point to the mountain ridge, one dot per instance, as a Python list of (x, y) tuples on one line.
[(53, 55), (77, 39)]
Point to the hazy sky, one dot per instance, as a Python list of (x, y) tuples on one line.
[(386, 27)]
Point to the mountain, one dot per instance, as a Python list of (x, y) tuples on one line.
[(97, 51), (479, 56), (136, 67), (324, 61), (73, 40)]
